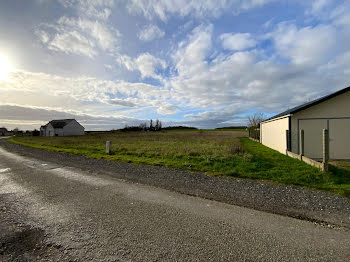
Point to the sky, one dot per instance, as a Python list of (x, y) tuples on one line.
[(205, 63)]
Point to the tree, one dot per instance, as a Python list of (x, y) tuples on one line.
[(151, 125), (158, 125), (36, 132), (255, 119), (254, 124)]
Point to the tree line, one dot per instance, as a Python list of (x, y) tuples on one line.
[(151, 126)]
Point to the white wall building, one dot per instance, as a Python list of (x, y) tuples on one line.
[(62, 127), (331, 112)]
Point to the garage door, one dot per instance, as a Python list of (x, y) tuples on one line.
[(339, 138)]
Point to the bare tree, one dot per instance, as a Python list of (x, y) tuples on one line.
[(254, 124), (255, 119), (158, 125)]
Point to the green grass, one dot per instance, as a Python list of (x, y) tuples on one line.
[(225, 153)]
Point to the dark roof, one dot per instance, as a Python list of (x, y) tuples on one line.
[(3, 129), (309, 104), (60, 123)]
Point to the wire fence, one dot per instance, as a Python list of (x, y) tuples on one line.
[(254, 133)]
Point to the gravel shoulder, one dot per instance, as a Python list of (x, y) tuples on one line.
[(319, 207)]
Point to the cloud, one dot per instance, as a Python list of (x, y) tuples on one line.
[(71, 43), (83, 35), (191, 53), (97, 9), (150, 33), (145, 63), (306, 45), (237, 42), (105, 37), (167, 110), (340, 15), (205, 8), (121, 102), (54, 91), (318, 5)]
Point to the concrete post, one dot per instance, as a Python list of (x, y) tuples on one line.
[(325, 150), (108, 147), (287, 140), (301, 145)]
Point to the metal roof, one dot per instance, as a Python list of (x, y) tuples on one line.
[(60, 123), (309, 104)]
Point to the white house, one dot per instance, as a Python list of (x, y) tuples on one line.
[(331, 112), (62, 127)]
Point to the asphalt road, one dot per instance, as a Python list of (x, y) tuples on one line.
[(50, 211)]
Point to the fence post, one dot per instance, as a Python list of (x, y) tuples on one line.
[(108, 147), (287, 140), (325, 150), (301, 145)]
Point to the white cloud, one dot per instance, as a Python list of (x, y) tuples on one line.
[(145, 63), (79, 36), (237, 42), (97, 9), (43, 36), (319, 5), (203, 8), (150, 33), (72, 43), (340, 14), (52, 90), (121, 102), (148, 64), (105, 37), (167, 109), (190, 56), (307, 45)]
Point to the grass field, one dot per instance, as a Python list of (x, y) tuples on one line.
[(227, 153)]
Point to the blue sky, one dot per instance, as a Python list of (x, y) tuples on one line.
[(200, 63)]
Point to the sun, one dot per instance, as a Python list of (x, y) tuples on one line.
[(5, 68)]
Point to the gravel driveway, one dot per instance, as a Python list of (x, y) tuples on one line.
[(319, 207)]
